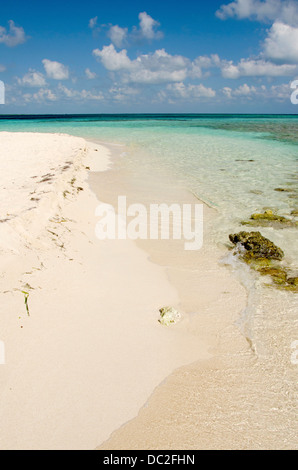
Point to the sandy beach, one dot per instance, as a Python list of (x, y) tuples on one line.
[(87, 364), (92, 351)]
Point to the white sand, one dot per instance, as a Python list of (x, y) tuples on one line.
[(91, 352)]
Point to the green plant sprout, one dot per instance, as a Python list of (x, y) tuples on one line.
[(26, 294)]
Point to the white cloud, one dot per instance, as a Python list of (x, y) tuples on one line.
[(2, 68), (263, 11), (117, 35), (255, 68), (204, 62), (42, 95), (157, 76), (180, 90), (245, 90), (113, 60), (281, 92), (282, 43), (146, 30), (148, 26), (227, 91), (277, 92), (119, 93), (55, 70), (15, 36), (93, 22), (80, 95), (32, 79), (90, 75), (154, 68)]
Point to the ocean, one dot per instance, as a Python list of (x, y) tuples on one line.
[(234, 163)]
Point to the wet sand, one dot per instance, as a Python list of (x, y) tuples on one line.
[(245, 396)]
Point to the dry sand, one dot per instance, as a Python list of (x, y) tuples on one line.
[(92, 351)]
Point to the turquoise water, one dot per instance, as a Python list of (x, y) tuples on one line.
[(232, 162)]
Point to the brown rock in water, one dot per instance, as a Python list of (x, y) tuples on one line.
[(269, 215), (256, 246), (282, 190), (274, 271), (293, 281), (256, 191), (268, 218)]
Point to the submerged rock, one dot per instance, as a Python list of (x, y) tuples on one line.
[(263, 256), (268, 218), (293, 281), (268, 215), (278, 274), (256, 191), (169, 316), (256, 246), (290, 283), (283, 190)]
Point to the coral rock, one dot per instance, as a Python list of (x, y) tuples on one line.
[(256, 246), (169, 316)]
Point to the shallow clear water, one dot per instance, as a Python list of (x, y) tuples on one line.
[(232, 162)]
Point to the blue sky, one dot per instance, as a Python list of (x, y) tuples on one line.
[(148, 56)]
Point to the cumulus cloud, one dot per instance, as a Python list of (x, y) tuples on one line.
[(154, 68), (117, 35), (120, 93), (245, 90), (227, 91), (43, 95), (148, 27), (281, 92), (93, 22), (111, 59), (160, 67), (12, 37), (255, 68), (190, 91), (264, 11), (55, 70), (80, 95), (281, 43), (90, 75), (32, 79), (201, 63)]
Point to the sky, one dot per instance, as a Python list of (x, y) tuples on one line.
[(157, 56)]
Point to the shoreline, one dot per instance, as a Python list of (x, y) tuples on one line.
[(230, 400), (81, 392), (70, 375)]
